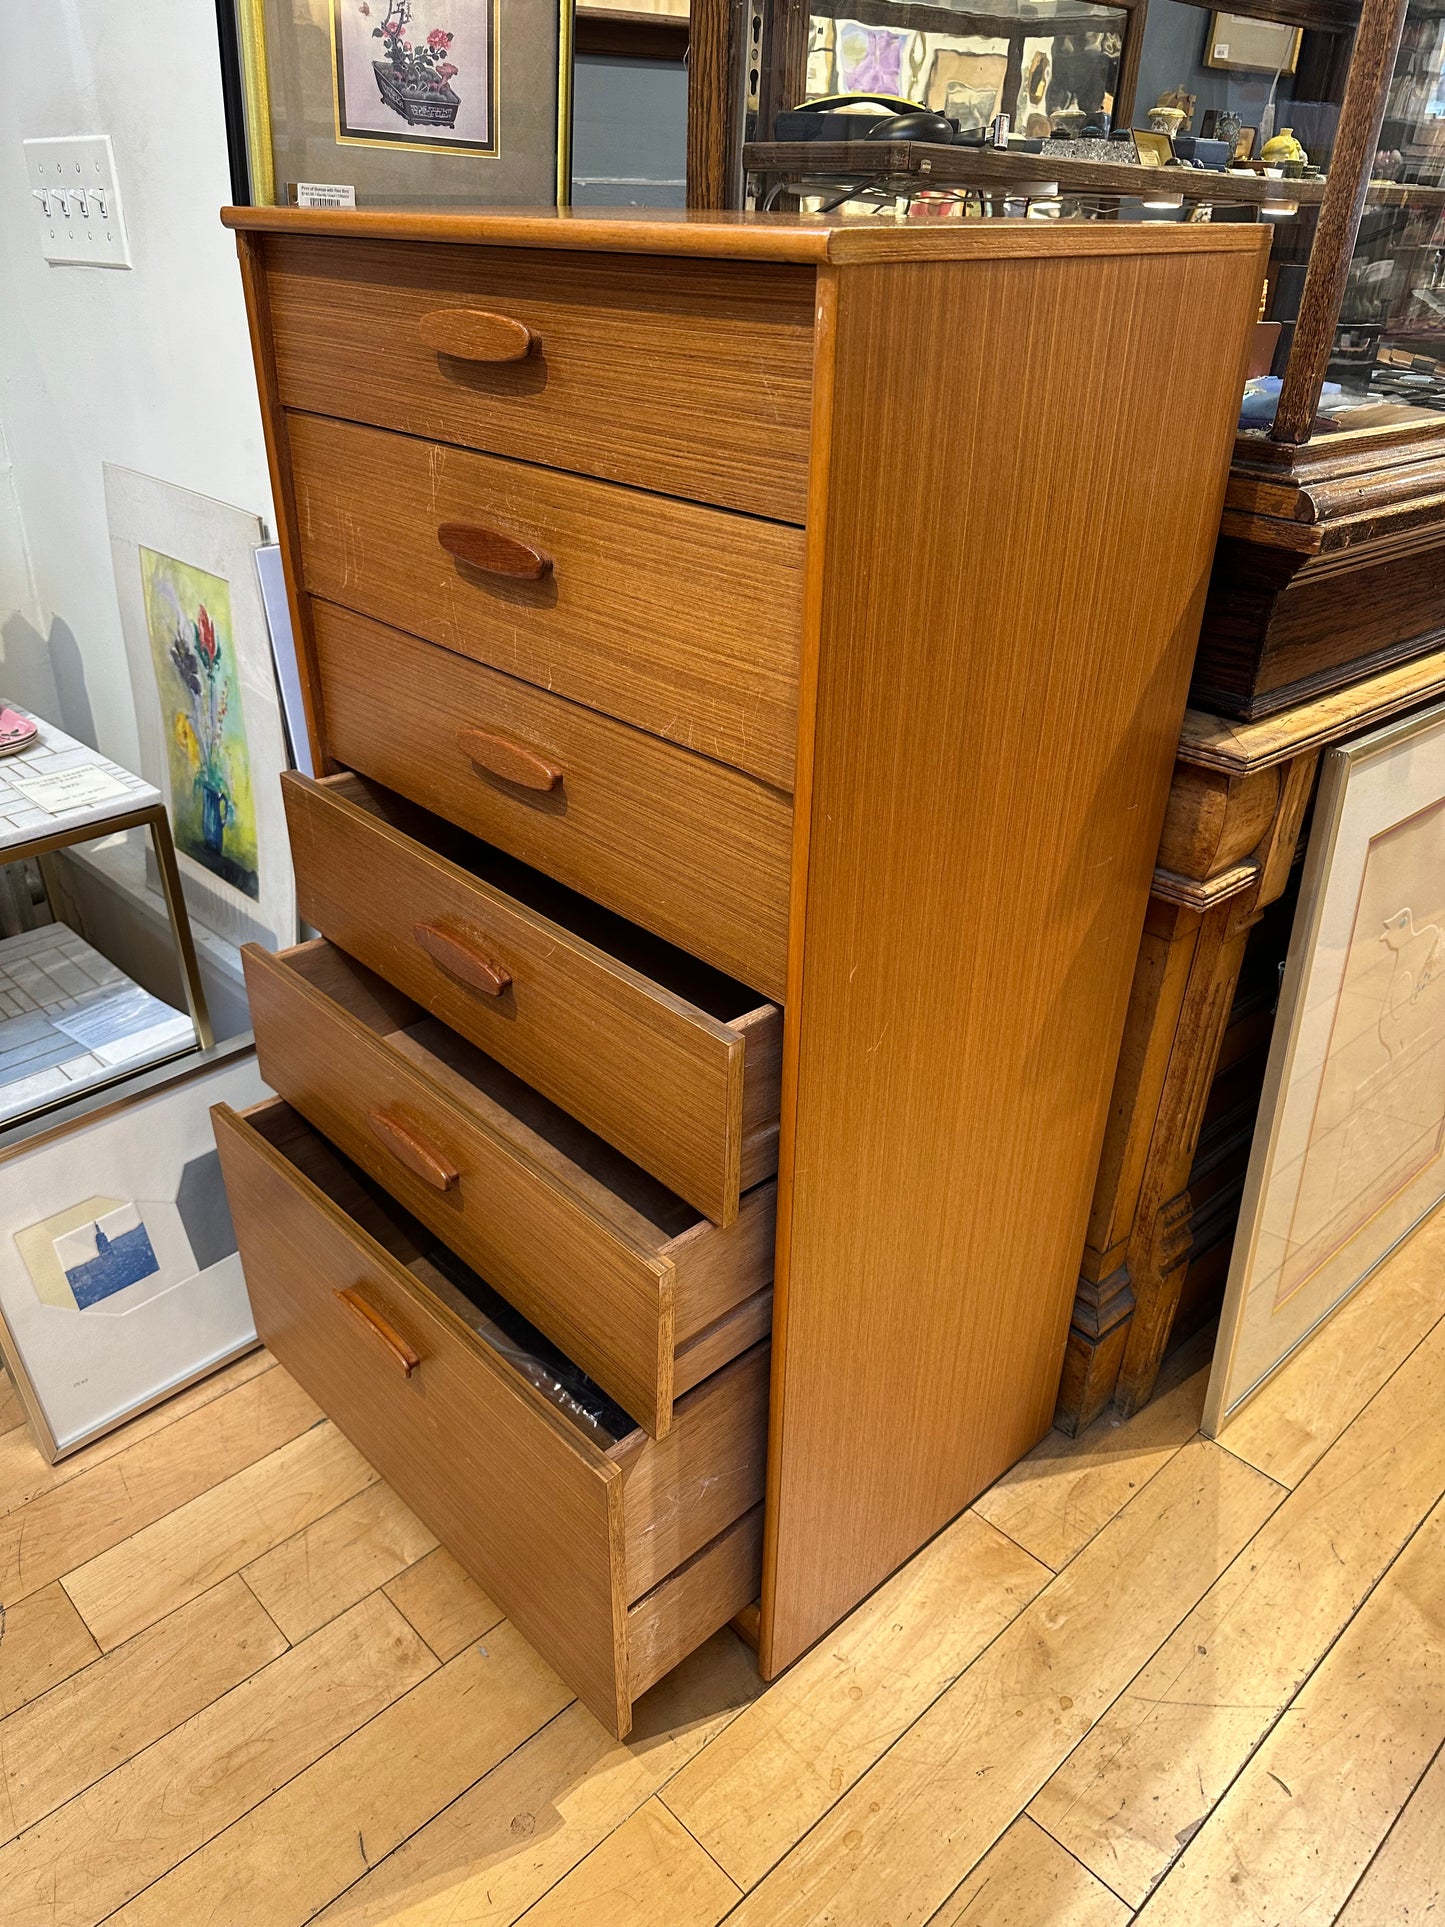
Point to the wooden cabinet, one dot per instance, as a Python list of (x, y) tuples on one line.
[(744, 660)]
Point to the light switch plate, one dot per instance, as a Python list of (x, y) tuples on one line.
[(77, 201)]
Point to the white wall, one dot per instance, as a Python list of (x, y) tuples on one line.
[(148, 367)]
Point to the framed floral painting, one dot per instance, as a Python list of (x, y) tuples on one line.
[(208, 714), (385, 103)]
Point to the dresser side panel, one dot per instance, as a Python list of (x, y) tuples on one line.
[(1027, 468)]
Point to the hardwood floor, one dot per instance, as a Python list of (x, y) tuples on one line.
[(1145, 1676)]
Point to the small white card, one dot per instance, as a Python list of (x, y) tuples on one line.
[(67, 789), (324, 194)]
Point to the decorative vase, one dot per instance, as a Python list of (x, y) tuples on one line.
[(1283, 147), (215, 808), (418, 104)]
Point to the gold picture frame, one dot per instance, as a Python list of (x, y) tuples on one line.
[(1240, 44), (302, 129)]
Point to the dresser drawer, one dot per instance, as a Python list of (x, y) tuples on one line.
[(684, 620), (693, 378), (630, 1282), (673, 1064), (575, 1528), (693, 850)]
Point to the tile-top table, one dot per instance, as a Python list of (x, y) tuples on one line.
[(69, 1019)]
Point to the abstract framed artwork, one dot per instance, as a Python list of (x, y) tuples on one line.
[(1347, 1155), (119, 1277), (382, 103), (208, 713)]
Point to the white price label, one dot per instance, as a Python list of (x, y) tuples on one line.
[(322, 194)]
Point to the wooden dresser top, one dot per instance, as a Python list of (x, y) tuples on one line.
[(809, 239)]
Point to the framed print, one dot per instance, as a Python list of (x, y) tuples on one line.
[(386, 103), (1347, 1155), (207, 710), (120, 1282), (1251, 46)]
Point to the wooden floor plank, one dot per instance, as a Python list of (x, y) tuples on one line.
[(1317, 1394), (61, 1529), (532, 1819), (445, 1605), (1027, 1880), (364, 1797), (1299, 1826), (1128, 1799), (12, 1412), (649, 1873), (93, 1854), (895, 1847), (337, 1560), (780, 1766), (57, 1746), (24, 1474), (43, 1640), (158, 1569), (1055, 1500), (1404, 1885)]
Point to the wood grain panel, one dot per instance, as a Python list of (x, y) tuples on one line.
[(682, 620), (582, 1259), (681, 1491), (688, 377), (688, 848), (981, 806), (649, 1071), (524, 1500), (676, 1617)]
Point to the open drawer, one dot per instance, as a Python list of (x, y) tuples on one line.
[(613, 1553), (672, 1063), (633, 1284)]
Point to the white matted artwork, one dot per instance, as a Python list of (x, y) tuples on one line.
[(207, 710), (120, 1281), (1346, 1159)]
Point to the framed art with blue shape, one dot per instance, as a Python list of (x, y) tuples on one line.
[(120, 1282), (1348, 1155)]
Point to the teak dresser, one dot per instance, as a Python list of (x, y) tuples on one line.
[(745, 659)]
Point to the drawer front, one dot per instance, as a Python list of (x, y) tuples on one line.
[(655, 1077), (532, 1510), (688, 848), (691, 378), (682, 620)]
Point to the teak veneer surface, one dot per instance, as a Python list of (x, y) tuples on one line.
[(985, 731), (685, 846), (688, 1095), (683, 620), (977, 823), (611, 1266), (679, 376), (721, 235), (572, 1533)]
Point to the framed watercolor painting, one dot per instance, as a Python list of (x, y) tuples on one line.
[(1349, 1152), (378, 103), (208, 714), (120, 1282)]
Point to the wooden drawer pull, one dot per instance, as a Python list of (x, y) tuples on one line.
[(461, 957), (424, 1160), (392, 1339), (513, 762), (471, 334), (494, 552)]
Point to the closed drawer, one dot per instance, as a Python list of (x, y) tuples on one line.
[(684, 620), (693, 378), (576, 1530), (673, 1064), (633, 1284), (693, 850)]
